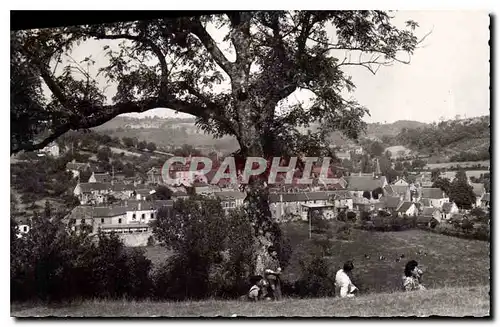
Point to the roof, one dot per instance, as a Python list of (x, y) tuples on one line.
[(478, 189), (432, 193), (364, 183), (300, 197), (143, 192), (392, 202), (405, 206), (228, 195), (341, 194), (101, 177), (429, 211), (99, 212), (486, 197), (123, 226), (89, 187), (388, 190), (122, 187)]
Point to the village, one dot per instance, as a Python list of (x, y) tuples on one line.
[(111, 202)]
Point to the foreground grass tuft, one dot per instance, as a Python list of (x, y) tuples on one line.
[(457, 302)]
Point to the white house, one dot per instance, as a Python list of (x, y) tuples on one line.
[(449, 209), (76, 167), (479, 192), (407, 208), (400, 182), (100, 178), (436, 196), (431, 212), (230, 199), (51, 150), (291, 204), (92, 193)]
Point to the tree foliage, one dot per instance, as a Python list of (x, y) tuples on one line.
[(177, 64)]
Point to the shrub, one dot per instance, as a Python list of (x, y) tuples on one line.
[(314, 279), (214, 251), (351, 216)]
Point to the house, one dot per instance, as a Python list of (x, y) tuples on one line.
[(436, 196), (432, 213), (205, 189), (139, 212), (154, 176), (122, 191), (96, 193), (128, 217), (342, 200), (142, 194), (98, 177), (290, 204), (76, 167), (407, 208), (485, 200), (358, 184), (230, 199), (424, 180), (449, 209), (391, 203), (400, 182), (403, 191), (479, 192), (326, 210), (52, 150)]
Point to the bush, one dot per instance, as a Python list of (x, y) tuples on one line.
[(214, 251), (315, 279), (351, 216), (52, 263)]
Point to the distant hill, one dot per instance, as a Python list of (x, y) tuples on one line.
[(392, 129), (463, 135)]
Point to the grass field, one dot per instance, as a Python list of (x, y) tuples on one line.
[(449, 261), (457, 302), (464, 164)]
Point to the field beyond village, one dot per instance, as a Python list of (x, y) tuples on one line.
[(456, 275)]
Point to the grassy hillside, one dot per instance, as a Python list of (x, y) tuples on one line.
[(447, 261), (457, 302)]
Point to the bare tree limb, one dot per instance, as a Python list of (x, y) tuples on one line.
[(211, 46)]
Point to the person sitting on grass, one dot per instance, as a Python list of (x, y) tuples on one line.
[(413, 277), (272, 272), (258, 290), (343, 283)]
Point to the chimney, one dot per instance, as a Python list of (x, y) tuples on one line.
[(139, 206), (126, 202)]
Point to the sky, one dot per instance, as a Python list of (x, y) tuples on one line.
[(448, 74)]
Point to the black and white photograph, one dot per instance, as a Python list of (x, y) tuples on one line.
[(250, 164)]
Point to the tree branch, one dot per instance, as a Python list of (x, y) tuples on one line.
[(209, 43)]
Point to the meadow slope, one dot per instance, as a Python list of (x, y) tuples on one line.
[(456, 302)]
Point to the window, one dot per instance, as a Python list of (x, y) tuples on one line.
[(143, 216), (25, 229), (102, 220), (152, 216), (83, 221), (133, 216), (119, 220)]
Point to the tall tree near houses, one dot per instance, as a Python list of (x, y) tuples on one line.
[(175, 63), (461, 192)]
